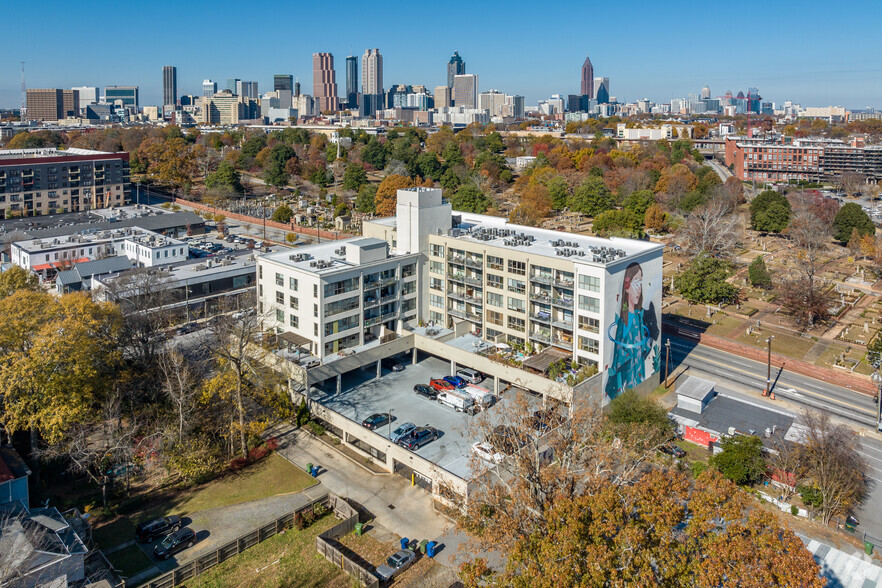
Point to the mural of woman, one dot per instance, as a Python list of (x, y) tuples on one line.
[(634, 333)]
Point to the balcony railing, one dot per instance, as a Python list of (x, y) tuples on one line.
[(561, 324), (568, 345), (465, 297), (562, 302), (474, 263), (541, 279), (541, 337), (542, 318), (370, 302), (563, 283), (371, 285), (543, 298), (464, 314)]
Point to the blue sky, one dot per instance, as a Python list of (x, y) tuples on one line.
[(811, 52)]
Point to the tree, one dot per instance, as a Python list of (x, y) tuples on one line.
[(364, 202), (180, 386), (851, 216), (758, 274), (283, 214), (470, 199), (17, 278), (592, 197), (656, 219), (354, 177), (639, 202), (741, 460), (801, 294), (851, 182), (709, 230), (275, 170), (225, 177), (558, 190), (833, 464), (535, 205), (675, 181), (387, 193), (374, 153), (632, 408), (770, 211), (704, 281), (619, 223)]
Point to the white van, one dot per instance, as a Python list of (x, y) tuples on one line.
[(482, 397), (469, 375), (459, 402)]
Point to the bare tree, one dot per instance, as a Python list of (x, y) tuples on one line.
[(711, 229), (180, 383), (801, 293), (851, 182), (833, 464), (786, 460)]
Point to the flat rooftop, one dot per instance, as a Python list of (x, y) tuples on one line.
[(135, 234), (41, 152), (362, 395), (497, 231), (728, 411), (331, 256)]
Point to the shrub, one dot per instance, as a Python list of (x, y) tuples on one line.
[(315, 428), (238, 463), (272, 444), (298, 521), (794, 510), (697, 468), (258, 453), (319, 510)]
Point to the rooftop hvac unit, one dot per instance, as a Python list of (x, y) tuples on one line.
[(313, 264)]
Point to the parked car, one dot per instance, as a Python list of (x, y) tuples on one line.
[(426, 391), (376, 420), (441, 385), (456, 381), (177, 541), (673, 450), (147, 532), (459, 402), (485, 451), (418, 437), (392, 364), (402, 431), (469, 375), (397, 563), (546, 418)]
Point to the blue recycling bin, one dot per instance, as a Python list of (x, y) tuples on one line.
[(430, 549), (404, 542), (314, 471)]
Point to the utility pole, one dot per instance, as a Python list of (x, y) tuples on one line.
[(769, 368), (667, 359)]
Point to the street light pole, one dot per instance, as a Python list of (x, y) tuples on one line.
[(877, 379), (769, 367), (667, 360), (390, 423)]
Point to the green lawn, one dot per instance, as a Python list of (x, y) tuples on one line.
[(270, 477), (130, 561), (287, 559)]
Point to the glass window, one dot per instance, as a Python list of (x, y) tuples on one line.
[(517, 267), (589, 303), (436, 267), (435, 300), (293, 302), (588, 344), (495, 262), (332, 308), (436, 317), (292, 283), (280, 280), (494, 318), (280, 315), (589, 324), (294, 320), (437, 250), (280, 297), (591, 283), (436, 284), (516, 324), (517, 305), (494, 281), (494, 299), (517, 286)]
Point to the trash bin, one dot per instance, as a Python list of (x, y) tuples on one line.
[(868, 548), (359, 527), (309, 468), (423, 544), (430, 549), (404, 542), (315, 470)]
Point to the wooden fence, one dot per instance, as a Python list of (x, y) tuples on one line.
[(208, 560), (339, 555)]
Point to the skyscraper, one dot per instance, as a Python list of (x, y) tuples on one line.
[(169, 85), (455, 67), (601, 90), (283, 82), (231, 84), (52, 104), (352, 81), (127, 94), (465, 90), (588, 78), (442, 97), (246, 89), (324, 81), (209, 88), (706, 92), (372, 72)]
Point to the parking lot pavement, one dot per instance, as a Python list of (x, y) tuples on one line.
[(363, 394)]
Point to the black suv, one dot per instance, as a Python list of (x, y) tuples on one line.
[(147, 532), (427, 391), (177, 541), (418, 437), (673, 450)]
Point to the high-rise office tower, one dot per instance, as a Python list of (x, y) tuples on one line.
[(588, 78), (169, 85), (128, 95), (88, 95), (601, 90), (443, 97), (465, 90), (324, 81), (706, 92), (455, 67), (246, 89), (372, 72), (283, 82), (231, 84), (52, 104), (209, 88), (352, 81), (296, 89)]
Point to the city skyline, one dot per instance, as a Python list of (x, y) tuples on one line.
[(836, 68)]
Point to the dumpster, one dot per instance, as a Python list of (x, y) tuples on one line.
[(359, 527), (868, 548), (404, 542), (423, 544), (850, 526), (430, 549)]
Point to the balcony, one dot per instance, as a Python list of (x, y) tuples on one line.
[(563, 344), (464, 315), (562, 324), (564, 283), (541, 298), (540, 279), (388, 281), (541, 317), (465, 297), (372, 284), (541, 337), (474, 263), (389, 298), (562, 302)]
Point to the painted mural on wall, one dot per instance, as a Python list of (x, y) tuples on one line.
[(634, 327)]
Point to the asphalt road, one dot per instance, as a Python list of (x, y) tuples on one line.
[(794, 391)]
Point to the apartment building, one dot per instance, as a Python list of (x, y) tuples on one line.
[(47, 180), (596, 300), (335, 296)]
